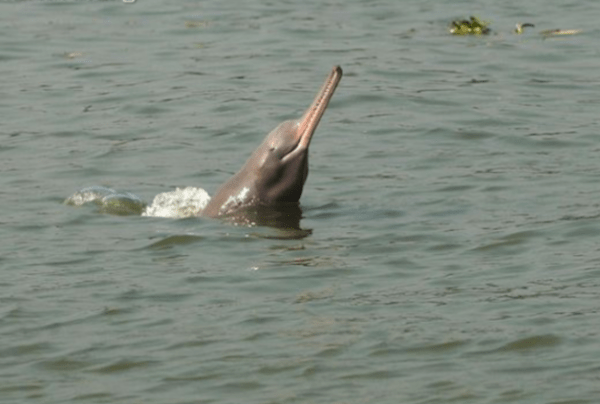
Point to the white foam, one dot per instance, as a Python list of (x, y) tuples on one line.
[(186, 202), (235, 200)]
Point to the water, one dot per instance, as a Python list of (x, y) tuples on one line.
[(451, 210)]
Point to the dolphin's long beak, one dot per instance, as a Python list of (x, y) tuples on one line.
[(309, 121)]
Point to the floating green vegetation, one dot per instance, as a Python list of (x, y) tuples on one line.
[(472, 26), (475, 26)]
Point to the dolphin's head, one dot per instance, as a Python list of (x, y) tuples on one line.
[(281, 164), (281, 161)]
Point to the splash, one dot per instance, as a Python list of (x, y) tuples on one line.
[(108, 201), (186, 202), (181, 203)]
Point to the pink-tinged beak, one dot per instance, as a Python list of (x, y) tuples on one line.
[(311, 118)]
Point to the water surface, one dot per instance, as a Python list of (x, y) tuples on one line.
[(452, 203)]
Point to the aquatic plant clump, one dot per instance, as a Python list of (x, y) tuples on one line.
[(475, 26), (472, 26)]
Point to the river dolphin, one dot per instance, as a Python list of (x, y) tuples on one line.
[(276, 172)]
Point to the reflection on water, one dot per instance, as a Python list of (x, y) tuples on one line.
[(283, 220)]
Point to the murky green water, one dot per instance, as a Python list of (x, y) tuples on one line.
[(453, 203)]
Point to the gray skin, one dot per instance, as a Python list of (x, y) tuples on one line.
[(277, 170)]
